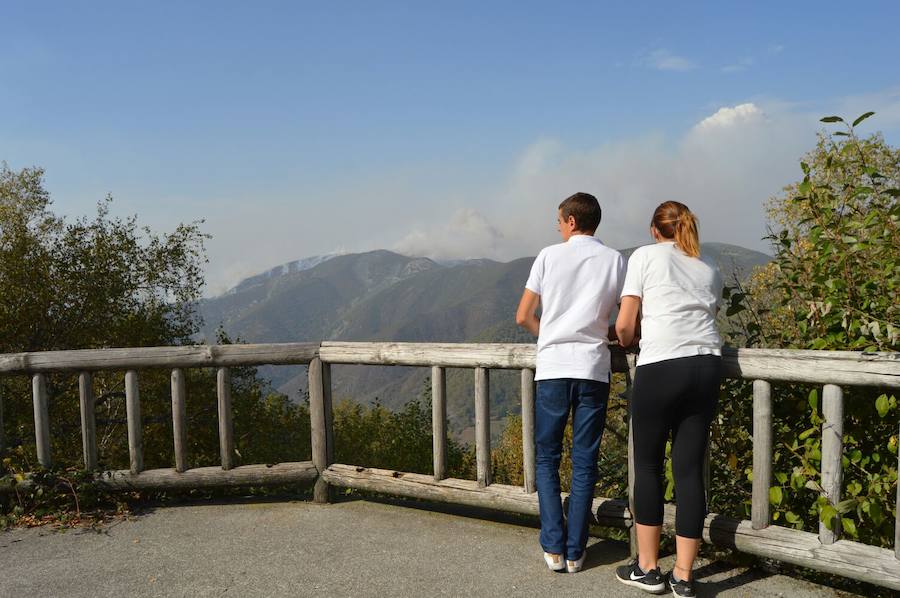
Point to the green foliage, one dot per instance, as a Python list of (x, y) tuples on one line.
[(373, 436), (93, 282), (106, 282), (63, 496), (832, 285), (836, 247)]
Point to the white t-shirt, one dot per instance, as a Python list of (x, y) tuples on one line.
[(679, 295), (579, 283)]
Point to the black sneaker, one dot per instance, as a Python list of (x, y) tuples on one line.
[(681, 588), (631, 575)]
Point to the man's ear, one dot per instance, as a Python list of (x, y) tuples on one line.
[(571, 222)]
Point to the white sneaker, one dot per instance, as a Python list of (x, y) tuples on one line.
[(554, 561), (575, 566)]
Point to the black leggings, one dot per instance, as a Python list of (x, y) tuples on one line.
[(678, 395)]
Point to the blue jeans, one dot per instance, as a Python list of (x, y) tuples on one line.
[(587, 401)]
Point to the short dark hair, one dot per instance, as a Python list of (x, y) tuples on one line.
[(585, 208)]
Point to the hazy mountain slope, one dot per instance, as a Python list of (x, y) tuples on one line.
[(385, 296), (308, 304)]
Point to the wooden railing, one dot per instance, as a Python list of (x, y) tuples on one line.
[(824, 551)]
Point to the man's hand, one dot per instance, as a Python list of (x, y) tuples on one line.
[(525, 315)]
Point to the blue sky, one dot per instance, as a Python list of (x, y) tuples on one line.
[(297, 128)]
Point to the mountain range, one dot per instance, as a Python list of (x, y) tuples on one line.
[(385, 296)]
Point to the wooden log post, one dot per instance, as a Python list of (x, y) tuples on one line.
[(897, 511), (631, 359), (439, 421), (179, 427), (528, 450), (320, 422), (226, 425), (133, 415), (2, 433), (762, 453), (329, 413), (88, 420), (482, 427), (41, 419), (832, 450)]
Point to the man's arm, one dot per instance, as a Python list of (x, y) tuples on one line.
[(525, 315), (627, 325)]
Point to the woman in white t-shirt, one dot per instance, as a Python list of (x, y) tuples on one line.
[(671, 296)]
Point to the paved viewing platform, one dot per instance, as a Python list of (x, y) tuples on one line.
[(350, 548)]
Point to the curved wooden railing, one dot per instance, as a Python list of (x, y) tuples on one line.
[(824, 551)]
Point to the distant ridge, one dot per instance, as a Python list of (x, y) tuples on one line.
[(286, 268), (384, 296)]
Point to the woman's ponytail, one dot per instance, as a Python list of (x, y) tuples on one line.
[(686, 237), (675, 221)]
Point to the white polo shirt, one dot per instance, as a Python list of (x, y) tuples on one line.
[(579, 282), (679, 297)]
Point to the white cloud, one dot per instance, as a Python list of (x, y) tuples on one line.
[(468, 235), (732, 116), (737, 67), (724, 167), (663, 60)]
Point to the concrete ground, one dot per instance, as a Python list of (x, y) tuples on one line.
[(354, 548)]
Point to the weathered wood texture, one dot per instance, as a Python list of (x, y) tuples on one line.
[(755, 537), (88, 420), (138, 358), (483, 426), (329, 413), (850, 559), (226, 425), (828, 367), (632, 532), (832, 451), (212, 477), (460, 355), (179, 420), (528, 450), (832, 367), (439, 421), (41, 419), (631, 370), (2, 429), (133, 414), (849, 368), (319, 406), (762, 453), (845, 558), (605, 511), (201, 477)]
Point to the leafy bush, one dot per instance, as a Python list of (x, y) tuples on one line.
[(832, 285)]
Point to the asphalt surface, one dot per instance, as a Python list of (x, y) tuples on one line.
[(355, 548)]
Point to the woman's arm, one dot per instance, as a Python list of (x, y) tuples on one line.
[(627, 324), (525, 316)]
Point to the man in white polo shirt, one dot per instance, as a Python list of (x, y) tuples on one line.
[(577, 285)]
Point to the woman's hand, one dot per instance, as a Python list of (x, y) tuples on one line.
[(628, 322)]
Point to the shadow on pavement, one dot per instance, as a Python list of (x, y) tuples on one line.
[(707, 587)]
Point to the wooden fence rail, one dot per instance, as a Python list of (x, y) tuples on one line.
[(824, 551)]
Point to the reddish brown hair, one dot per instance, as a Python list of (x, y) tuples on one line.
[(674, 220)]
